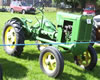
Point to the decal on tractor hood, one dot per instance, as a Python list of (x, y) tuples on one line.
[(88, 21)]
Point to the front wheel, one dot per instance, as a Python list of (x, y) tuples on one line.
[(51, 61), (88, 59)]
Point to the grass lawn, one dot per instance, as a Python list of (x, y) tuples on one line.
[(27, 66)]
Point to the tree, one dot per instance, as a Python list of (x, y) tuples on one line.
[(98, 2)]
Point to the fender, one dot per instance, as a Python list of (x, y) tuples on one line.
[(22, 20)]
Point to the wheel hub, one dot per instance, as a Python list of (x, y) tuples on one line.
[(49, 62), (85, 59), (10, 37)]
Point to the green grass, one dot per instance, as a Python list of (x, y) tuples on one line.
[(27, 66)]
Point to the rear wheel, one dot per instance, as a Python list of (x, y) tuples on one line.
[(40, 47), (13, 34), (23, 11), (12, 11), (88, 59), (51, 61), (93, 35)]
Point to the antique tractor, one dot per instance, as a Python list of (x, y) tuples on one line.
[(70, 32)]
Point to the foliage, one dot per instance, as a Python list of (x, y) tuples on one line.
[(98, 2), (82, 3)]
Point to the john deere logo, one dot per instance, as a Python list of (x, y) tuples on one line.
[(88, 21)]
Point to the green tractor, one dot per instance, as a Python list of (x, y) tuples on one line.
[(71, 31)]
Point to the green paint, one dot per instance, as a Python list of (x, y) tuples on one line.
[(47, 32)]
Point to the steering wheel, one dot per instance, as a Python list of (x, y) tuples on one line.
[(39, 6)]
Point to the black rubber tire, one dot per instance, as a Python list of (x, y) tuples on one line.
[(93, 35), (23, 11), (38, 46), (19, 37), (93, 59), (59, 61), (12, 10), (41, 47), (1, 73)]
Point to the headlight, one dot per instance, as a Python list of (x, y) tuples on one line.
[(93, 14), (28, 8)]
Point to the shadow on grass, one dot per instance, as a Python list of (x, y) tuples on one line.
[(30, 55), (12, 69), (97, 48), (69, 76), (68, 56), (66, 76), (95, 73), (34, 55)]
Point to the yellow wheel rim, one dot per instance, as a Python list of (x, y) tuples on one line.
[(85, 59), (49, 62), (10, 37)]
